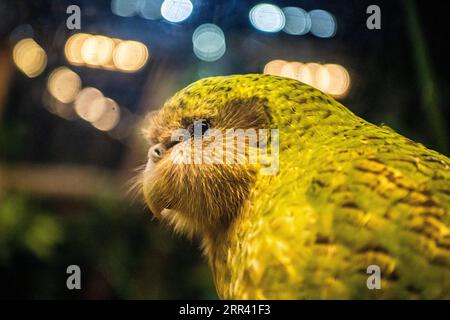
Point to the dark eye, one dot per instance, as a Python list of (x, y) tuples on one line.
[(199, 127)]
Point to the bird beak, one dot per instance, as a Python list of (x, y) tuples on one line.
[(156, 210), (155, 154)]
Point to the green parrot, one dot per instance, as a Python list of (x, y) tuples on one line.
[(354, 211)]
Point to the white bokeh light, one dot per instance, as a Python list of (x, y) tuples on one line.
[(267, 17), (176, 10)]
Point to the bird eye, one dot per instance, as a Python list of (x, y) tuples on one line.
[(199, 127)]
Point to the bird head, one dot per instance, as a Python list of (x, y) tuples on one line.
[(188, 181)]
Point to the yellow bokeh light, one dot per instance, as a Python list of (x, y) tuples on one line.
[(73, 47), (64, 84), (306, 74), (321, 79), (88, 104), (274, 67), (110, 63), (130, 56), (340, 80), (110, 118), (332, 79), (29, 57), (98, 107), (311, 73), (98, 51), (291, 70), (89, 50), (105, 50)]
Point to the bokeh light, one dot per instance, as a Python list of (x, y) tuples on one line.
[(150, 9), (321, 78), (97, 50), (332, 79), (298, 21), (88, 104), (176, 10), (267, 17), (103, 52), (29, 57), (339, 80), (110, 116), (72, 48), (306, 73), (291, 70), (323, 24), (64, 85), (130, 56), (102, 112), (124, 8), (274, 67), (209, 42)]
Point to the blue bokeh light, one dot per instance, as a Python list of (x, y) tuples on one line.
[(124, 8), (298, 21), (209, 42), (150, 9), (323, 24)]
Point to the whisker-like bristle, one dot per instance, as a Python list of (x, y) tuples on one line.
[(134, 185)]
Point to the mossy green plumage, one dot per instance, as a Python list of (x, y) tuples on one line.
[(348, 194)]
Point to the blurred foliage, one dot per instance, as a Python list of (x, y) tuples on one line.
[(38, 234), (10, 138), (121, 253)]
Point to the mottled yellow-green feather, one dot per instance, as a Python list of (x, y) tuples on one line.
[(348, 194)]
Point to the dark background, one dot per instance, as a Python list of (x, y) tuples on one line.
[(400, 77)]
